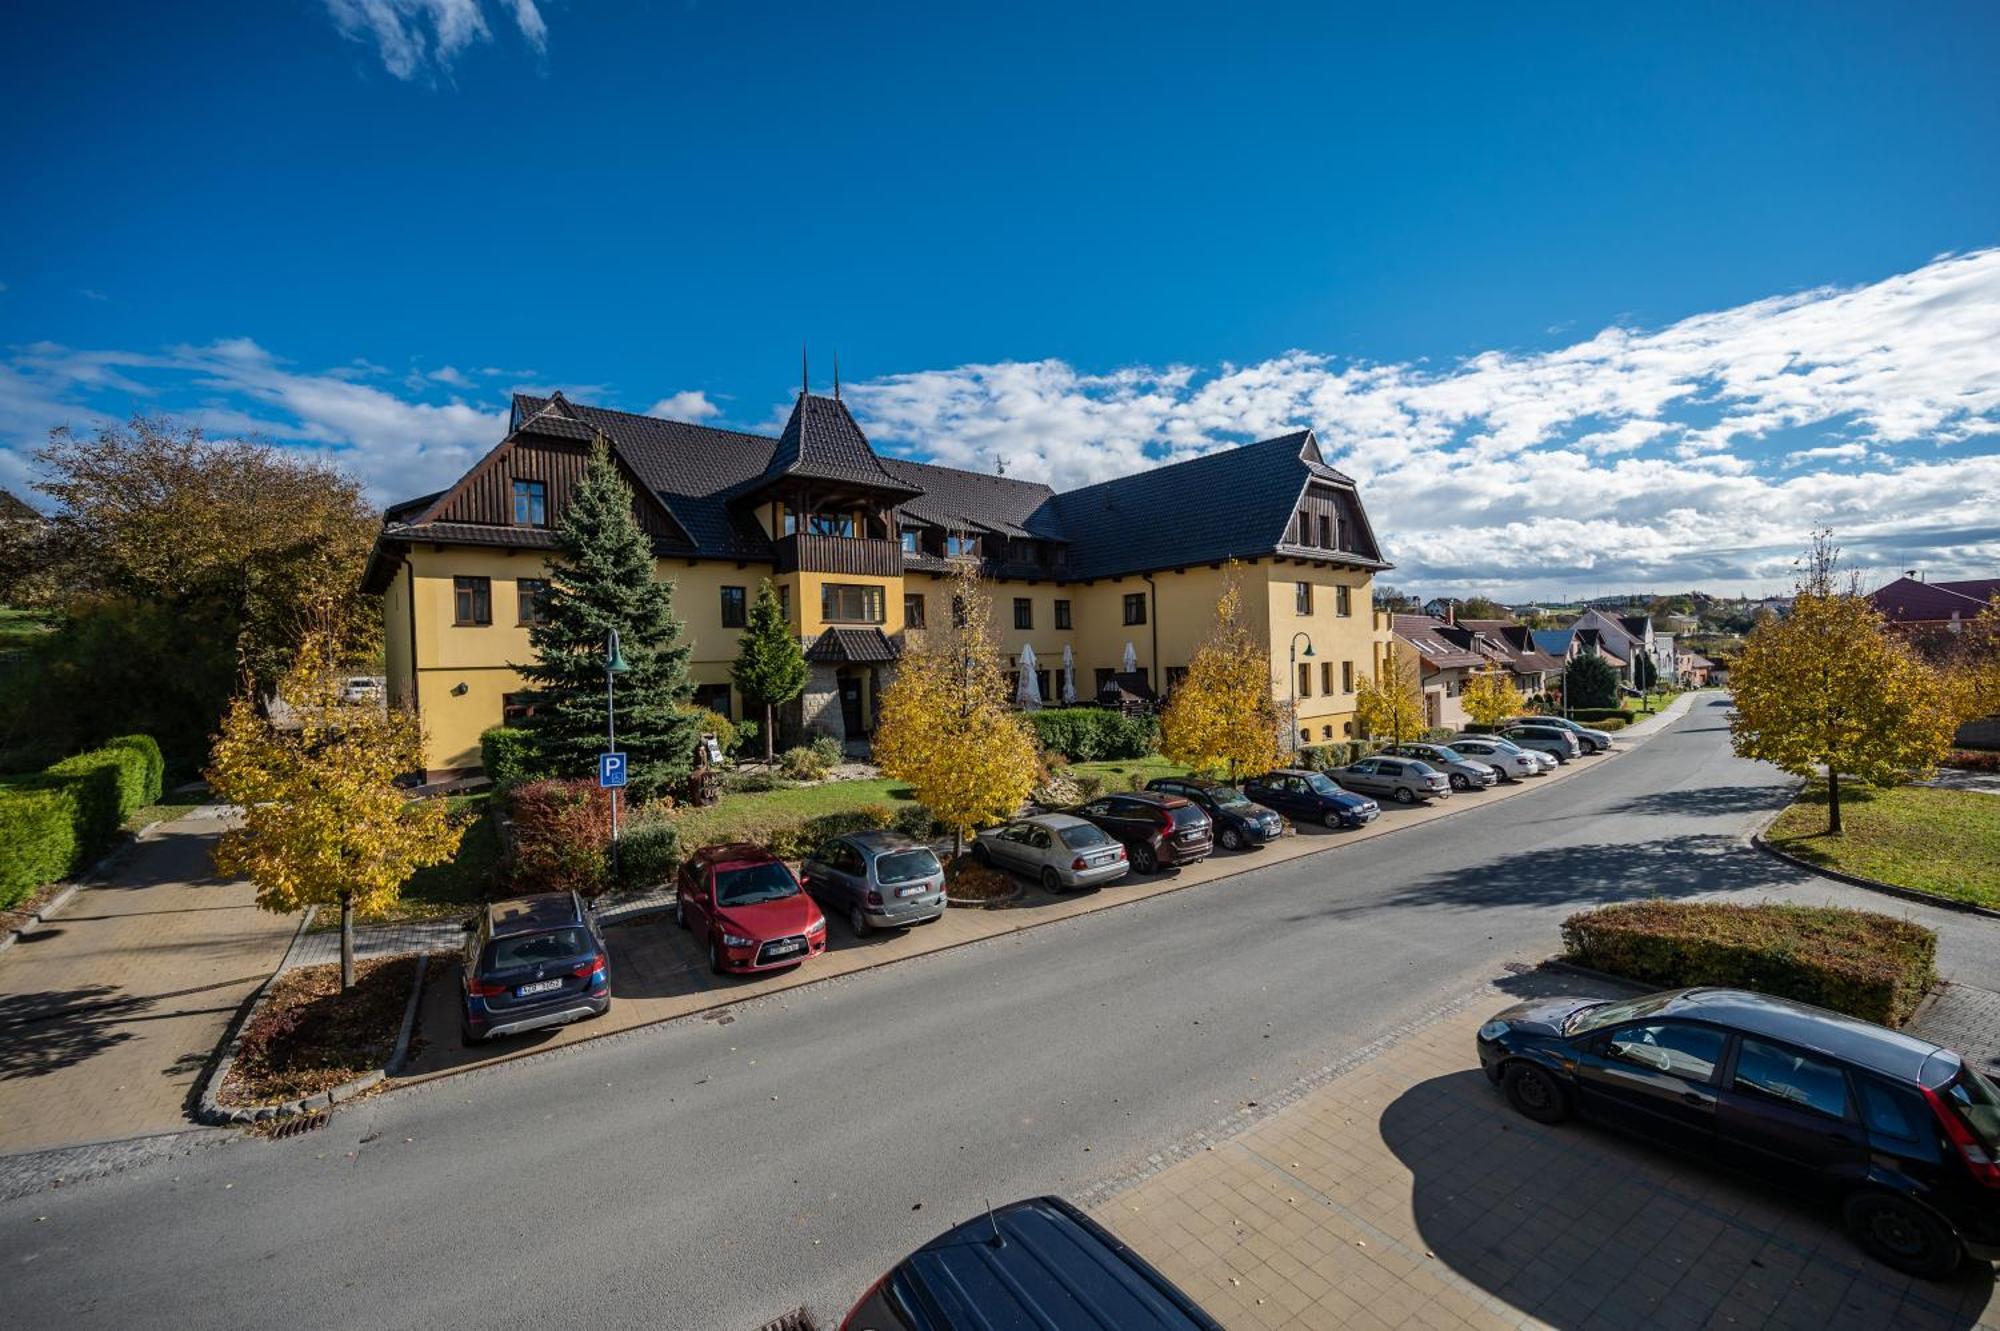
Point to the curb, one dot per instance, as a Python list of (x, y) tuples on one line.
[(88, 878), (987, 903), (213, 1112), (1577, 968), (1758, 840)]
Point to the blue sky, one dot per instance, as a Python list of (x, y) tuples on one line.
[(1075, 242)]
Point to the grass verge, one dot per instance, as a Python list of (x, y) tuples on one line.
[(1944, 842)]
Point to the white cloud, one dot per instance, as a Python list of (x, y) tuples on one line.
[(690, 404), (412, 36), (451, 375)]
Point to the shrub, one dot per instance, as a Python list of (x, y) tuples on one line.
[(914, 820), (803, 764), (508, 755), (37, 838), (562, 837), (1869, 965), (1974, 760), (747, 735), (649, 851), (156, 765), (751, 783), (830, 751), (1611, 723), (105, 785), (1590, 716), (716, 724), (1089, 785), (1094, 734)]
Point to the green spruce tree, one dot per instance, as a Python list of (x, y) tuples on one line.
[(602, 579), (770, 667)]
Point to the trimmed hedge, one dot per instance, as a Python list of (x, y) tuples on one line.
[(105, 784), (54, 821), (37, 838), (1590, 716), (148, 750), (508, 755), (1094, 734), (1869, 965)]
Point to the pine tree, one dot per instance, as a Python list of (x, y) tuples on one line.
[(602, 579), (1589, 681), (770, 667)]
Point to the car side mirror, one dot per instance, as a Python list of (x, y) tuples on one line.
[(470, 926)]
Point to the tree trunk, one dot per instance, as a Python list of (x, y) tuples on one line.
[(769, 712), (346, 941), (1832, 800)]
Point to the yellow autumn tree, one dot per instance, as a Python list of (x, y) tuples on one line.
[(323, 821), (1490, 698), (946, 725), (1971, 662), (1221, 719), (1391, 705), (1829, 688)]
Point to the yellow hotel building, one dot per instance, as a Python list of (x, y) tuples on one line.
[(860, 547)]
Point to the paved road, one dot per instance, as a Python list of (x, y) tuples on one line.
[(713, 1172)]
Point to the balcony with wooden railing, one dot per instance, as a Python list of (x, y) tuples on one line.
[(804, 552)]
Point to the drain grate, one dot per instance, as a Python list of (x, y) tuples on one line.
[(299, 1125), (798, 1319)]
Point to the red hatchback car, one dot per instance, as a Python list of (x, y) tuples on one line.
[(750, 910)]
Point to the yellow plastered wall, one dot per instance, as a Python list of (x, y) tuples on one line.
[(1336, 639)]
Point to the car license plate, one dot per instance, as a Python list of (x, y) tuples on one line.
[(1099, 861), (1190, 836), (915, 890), (783, 949), (539, 987)]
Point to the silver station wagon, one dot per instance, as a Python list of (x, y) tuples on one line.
[(1056, 850), (876, 880)]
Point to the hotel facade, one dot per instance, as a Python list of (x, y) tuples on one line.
[(861, 548)]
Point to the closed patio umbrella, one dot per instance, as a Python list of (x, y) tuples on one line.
[(1029, 694), (1069, 677), (1131, 666)]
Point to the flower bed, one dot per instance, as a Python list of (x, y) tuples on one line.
[(308, 1037), (1869, 965)]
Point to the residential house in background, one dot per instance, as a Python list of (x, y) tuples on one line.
[(1444, 665), (1511, 646), (861, 548), (1912, 605)]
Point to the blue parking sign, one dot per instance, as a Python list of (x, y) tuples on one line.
[(610, 770)]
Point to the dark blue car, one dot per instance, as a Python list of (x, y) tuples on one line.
[(532, 962), (1311, 797), (1037, 1265), (1903, 1136)]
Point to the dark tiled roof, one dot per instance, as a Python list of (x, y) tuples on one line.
[(1427, 635), (1907, 601), (822, 442), (1516, 643), (14, 509), (838, 646), (1233, 503)]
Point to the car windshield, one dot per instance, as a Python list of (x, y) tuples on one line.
[(1228, 797), (537, 949), (747, 884), (1085, 837), (1978, 1102), (1322, 784), (1596, 1018), (1442, 755), (903, 865), (1187, 815)]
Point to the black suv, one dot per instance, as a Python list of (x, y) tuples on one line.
[(532, 962), (1239, 823), (1900, 1133), (1159, 830)]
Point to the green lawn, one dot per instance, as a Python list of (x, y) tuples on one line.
[(18, 628), (164, 812), (444, 891), (1946, 842)]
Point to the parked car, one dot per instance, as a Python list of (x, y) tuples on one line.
[(748, 910), (364, 688), (1311, 797), (877, 880), (1039, 1263), (1504, 756), (530, 963), (1057, 850), (1463, 770), (1158, 831), (1558, 743), (1902, 1134), (1405, 780), (1593, 741), (1239, 823)]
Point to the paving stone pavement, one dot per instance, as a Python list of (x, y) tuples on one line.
[(110, 1010), (1965, 1018), (320, 947), (1403, 1192)]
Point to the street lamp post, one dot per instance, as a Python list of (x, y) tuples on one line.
[(1293, 671), (614, 666)]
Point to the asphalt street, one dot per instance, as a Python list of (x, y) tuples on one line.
[(714, 1172)]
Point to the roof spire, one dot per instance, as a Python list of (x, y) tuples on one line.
[(836, 374), (805, 376)]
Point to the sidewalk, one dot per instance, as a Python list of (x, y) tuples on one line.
[(1403, 1192), (110, 1010)]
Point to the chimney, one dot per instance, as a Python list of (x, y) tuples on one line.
[(1451, 612)]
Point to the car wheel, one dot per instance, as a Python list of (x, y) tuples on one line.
[(1332, 821), (1404, 795), (1052, 882), (1231, 839), (1458, 782), (858, 922), (1144, 860), (1899, 1233), (680, 915), (1535, 1094), (715, 958), (465, 1035)]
